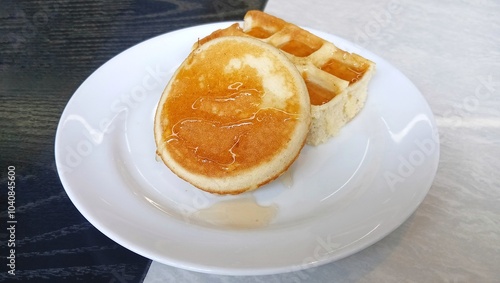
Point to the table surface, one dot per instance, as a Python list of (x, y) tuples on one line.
[(450, 50), (47, 49)]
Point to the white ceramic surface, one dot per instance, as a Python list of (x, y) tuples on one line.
[(451, 51), (345, 195)]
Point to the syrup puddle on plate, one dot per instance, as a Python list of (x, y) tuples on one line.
[(240, 213)]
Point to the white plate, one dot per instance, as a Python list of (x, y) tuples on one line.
[(345, 195)]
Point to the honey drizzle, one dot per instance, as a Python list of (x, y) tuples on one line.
[(174, 136), (298, 48), (231, 97), (348, 73), (241, 213), (318, 94), (259, 32), (239, 126)]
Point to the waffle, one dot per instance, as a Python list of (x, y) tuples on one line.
[(336, 80)]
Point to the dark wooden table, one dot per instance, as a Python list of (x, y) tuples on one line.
[(47, 49)]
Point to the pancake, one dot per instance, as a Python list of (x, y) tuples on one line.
[(234, 116), (337, 80)]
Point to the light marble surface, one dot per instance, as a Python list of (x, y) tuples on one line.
[(451, 51)]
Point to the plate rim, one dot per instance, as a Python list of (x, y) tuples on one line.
[(230, 271)]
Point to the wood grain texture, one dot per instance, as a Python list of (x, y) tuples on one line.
[(47, 49), (74, 36)]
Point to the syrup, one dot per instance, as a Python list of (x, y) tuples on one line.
[(318, 94), (347, 73), (241, 213), (298, 48), (218, 131), (259, 32)]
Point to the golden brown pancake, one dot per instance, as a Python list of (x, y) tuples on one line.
[(234, 116)]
